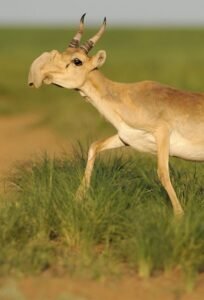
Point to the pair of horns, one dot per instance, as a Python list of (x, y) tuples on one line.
[(88, 45)]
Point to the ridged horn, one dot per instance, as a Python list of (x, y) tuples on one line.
[(87, 46), (76, 39)]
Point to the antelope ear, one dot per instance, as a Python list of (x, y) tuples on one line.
[(99, 59)]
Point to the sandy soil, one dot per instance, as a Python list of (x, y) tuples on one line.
[(166, 287), (22, 140)]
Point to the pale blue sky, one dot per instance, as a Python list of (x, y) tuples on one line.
[(118, 12)]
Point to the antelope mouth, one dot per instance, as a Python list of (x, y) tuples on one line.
[(58, 85)]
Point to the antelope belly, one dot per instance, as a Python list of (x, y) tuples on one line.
[(185, 148), (139, 139)]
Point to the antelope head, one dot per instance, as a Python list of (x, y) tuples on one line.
[(69, 69)]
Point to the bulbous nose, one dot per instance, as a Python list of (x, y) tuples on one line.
[(36, 74)]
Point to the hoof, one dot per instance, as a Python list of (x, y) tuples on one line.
[(179, 213)]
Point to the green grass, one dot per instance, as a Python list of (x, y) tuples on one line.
[(125, 222)]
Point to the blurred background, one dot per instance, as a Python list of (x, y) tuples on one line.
[(145, 40), (119, 13)]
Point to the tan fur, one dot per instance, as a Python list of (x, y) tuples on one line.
[(148, 116)]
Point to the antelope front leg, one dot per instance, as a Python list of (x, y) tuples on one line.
[(162, 138), (95, 148)]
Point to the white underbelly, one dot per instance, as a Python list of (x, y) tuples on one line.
[(187, 149), (145, 142), (139, 139)]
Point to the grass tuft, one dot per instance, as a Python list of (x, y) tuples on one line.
[(125, 221)]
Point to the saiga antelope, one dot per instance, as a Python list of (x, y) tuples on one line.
[(148, 116)]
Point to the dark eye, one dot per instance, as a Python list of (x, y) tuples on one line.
[(77, 62)]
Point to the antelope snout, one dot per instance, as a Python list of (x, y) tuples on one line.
[(36, 73)]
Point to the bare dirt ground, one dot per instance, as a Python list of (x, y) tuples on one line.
[(165, 287), (22, 140)]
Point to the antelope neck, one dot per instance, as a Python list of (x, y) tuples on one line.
[(95, 87)]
